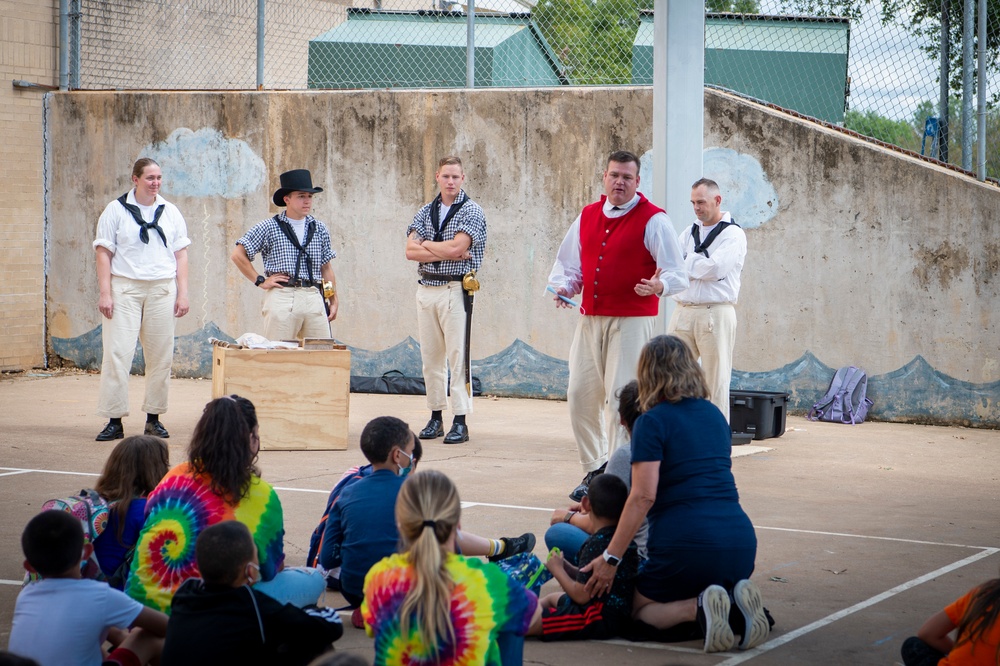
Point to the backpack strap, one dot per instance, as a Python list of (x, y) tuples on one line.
[(818, 409), (854, 379)]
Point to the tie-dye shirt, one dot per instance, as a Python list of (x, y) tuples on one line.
[(178, 509), (484, 603)]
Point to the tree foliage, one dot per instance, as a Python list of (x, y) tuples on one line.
[(593, 38), (922, 18), (909, 134)]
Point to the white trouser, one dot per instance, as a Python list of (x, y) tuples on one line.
[(710, 333), (441, 326), (603, 358), (293, 313), (144, 311)]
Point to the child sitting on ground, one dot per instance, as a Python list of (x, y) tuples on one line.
[(977, 618), (570, 527), (221, 619), (360, 525), (360, 528), (469, 544), (575, 615), (63, 619), (430, 605)]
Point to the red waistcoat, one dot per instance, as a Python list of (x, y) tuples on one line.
[(614, 259)]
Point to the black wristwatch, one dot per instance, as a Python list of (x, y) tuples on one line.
[(612, 559), (259, 281)]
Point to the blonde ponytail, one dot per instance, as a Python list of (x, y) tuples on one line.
[(427, 512)]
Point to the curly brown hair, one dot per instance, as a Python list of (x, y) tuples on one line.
[(668, 372), (220, 446)]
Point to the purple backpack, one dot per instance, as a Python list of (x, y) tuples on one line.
[(846, 400)]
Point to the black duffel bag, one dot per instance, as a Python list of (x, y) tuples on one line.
[(395, 383)]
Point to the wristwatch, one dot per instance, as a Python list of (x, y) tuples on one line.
[(259, 281), (612, 559)]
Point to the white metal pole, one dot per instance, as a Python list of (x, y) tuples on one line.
[(470, 46), (260, 43), (678, 110), (63, 44), (981, 124), (967, 56)]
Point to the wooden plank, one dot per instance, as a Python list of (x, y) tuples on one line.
[(302, 396)]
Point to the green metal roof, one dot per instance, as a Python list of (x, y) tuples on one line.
[(760, 32), (799, 63), (375, 49)]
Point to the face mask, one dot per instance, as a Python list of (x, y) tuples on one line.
[(403, 471)]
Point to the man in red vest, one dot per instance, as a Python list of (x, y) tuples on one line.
[(622, 254)]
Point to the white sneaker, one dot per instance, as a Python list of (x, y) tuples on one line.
[(751, 605), (713, 616)]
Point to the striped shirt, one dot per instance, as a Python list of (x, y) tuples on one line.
[(469, 219), (281, 256)]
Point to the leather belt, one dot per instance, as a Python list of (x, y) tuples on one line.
[(298, 282), (441, 278)]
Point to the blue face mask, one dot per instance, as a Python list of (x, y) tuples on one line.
[(403, 471)]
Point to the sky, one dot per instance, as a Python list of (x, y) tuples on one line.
[(889, 73)]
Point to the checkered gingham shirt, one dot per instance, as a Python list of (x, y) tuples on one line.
[(279, 254), (470, 219)]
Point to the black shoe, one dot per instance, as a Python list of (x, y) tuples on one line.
[(432, 430), (110, 432), (515, 546), (581, 490), (459, 433), (713, 617), (753, 623), (156, 429)]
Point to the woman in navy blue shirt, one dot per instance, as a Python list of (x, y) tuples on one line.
[(701, 545)]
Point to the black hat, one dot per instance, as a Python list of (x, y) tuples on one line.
[(297, 180)]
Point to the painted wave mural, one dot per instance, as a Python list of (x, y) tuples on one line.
[(915, 392)]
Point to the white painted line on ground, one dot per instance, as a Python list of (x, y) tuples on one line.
[(850, 610), (864, 536), (466, 505), (19, 583), (46, 471), (302, 490), (24, 471)]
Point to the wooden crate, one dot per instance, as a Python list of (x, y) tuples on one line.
[(302, 396)]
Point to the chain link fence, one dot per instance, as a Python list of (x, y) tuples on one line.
[(872, 66)]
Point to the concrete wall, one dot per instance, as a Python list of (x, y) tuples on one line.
[(28, 37), (857, 255)]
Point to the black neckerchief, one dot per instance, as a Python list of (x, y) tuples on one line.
[(144, 226), (702, 248), (436, 215), (286, 228)]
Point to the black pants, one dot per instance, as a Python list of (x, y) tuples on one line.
[(915, 652)]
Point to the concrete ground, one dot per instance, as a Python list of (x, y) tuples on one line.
[(863, 531)]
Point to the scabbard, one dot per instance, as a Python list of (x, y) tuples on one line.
[(469, 300)]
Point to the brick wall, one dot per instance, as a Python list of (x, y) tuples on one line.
[(29, 33)]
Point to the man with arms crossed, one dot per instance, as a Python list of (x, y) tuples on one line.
[(447, 238), (621, 252), (705, 318)]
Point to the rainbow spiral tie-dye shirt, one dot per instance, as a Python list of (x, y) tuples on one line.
[(484, 603), (179, 508)]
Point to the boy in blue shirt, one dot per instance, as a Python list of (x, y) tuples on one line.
[(64, 619)]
